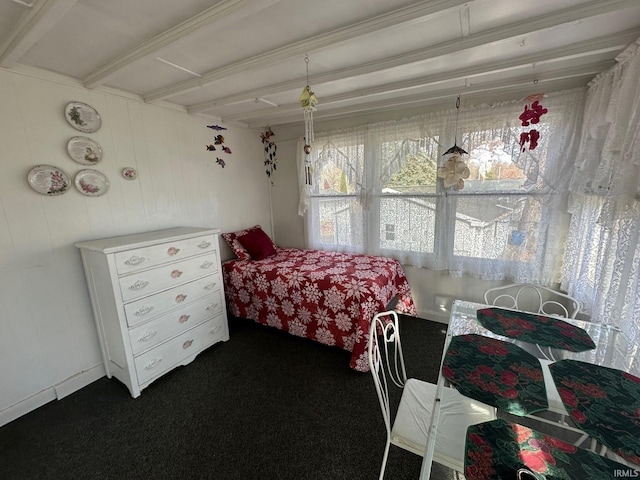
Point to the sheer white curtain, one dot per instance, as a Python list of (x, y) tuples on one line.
[(602, 263), (500, 226), (547, 173)]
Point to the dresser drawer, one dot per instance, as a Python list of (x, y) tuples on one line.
[(151, 281), (140, 259), (152, 306), (164, 357), (152, 333)]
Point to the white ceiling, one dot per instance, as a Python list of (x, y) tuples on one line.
[(243, 61)]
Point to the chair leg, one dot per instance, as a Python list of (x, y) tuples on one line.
[(384, 460)]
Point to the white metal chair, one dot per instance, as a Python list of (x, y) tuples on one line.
[(413, 416), (533, 298)]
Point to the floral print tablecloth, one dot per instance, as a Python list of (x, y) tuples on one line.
[(602, 401), (538, 329), (497, 373), (496, 450)]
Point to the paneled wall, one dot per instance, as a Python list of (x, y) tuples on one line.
[(48, 341)]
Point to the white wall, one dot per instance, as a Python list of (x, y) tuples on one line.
[(288, 227), (48, 340)]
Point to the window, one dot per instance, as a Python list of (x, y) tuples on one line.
[(406, 200), (376, 190), (494, 219), (389, 232), (337, 179)]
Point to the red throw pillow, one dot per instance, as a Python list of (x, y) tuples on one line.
[(257, 243), (232, 240)]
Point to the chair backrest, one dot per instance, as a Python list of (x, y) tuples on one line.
[(385, 359), (533, 298)]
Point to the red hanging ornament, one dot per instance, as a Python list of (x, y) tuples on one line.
[(533, 110), (532, 114), (532, 137)]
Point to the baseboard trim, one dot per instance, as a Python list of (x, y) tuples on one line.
[(435, 315), (79, 381), (58, 391)]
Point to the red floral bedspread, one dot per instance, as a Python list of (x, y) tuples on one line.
[(329, 297)]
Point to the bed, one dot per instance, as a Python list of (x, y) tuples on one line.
[(328, 297)]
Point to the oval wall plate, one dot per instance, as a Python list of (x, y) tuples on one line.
[(82, 117), (48, 180), (84, 150), (91, 183)]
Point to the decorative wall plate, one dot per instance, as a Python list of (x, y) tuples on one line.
[(82, 117), (84, 150), (129, 173), (48, 180), (91, 183)]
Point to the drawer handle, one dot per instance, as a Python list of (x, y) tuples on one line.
[(143, 310), (183, 318), (152, 364), (187, 344), (135, 260), (216, 329), (148, 335), (213, 306), (210, 286), (206, 265), (139, 285), (204, 244), (173, 251), (176, 273), (181, 298)]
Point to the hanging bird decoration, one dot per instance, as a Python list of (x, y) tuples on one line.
[(216, 127), (454, 171)]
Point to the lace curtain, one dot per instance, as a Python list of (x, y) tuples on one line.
[(608, 162), (547, 172), (602, 262), (518, 236)]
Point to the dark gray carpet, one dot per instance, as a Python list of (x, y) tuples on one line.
[(265, 405)]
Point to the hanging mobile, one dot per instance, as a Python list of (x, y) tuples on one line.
[(454, 170), (456, 148), (307, 164), (308, 102)]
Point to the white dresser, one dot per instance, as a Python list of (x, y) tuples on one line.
[(157, 298)]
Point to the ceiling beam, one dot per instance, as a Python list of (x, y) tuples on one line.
[(236, 9), (589, 70), (443, 97), (33, 24), (409, 13), (523, 27), (609, 43)]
